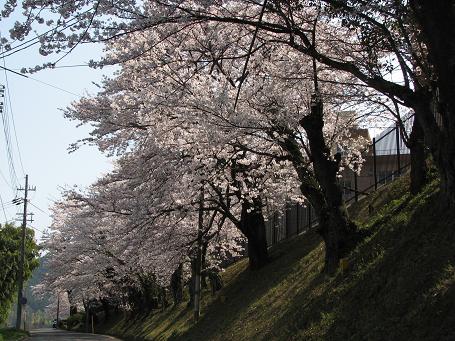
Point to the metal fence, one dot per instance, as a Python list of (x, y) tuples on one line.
[(386, 158)]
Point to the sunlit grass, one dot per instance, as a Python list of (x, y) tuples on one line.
[(400, 284)]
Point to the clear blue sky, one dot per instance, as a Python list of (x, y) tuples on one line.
[(43, 133)]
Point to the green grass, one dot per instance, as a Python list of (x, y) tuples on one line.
[(11, 334), (400, 284)]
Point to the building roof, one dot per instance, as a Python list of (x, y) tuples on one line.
[(386, 141)]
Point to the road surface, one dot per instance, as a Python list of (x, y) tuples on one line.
[(49, 334)]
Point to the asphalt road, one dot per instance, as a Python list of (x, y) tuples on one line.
[(49, 334)]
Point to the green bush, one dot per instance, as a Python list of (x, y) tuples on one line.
[(75, 320), (10, 237), (12, 334)]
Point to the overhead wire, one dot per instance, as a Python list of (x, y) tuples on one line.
[(36, 229), (6, 181), (65, 67), (8, 204), (40, 81), (9, 152), (38, 208), (6, 105), (35, 40), (54, 86), (5, 117), (12, 119), (3, 208)]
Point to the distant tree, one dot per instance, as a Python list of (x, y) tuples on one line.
[(10, 239)]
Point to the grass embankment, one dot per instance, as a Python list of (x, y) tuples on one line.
[(11, 334), (400, 284)]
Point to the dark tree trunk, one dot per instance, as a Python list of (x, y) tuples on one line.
[(87, 309), (252, 225), (106, 308), (338, 232), (216, 282), (192, 282), (321, 187), (73, 306), (436, 109), (203, 264), (177, 285), (416, 146), (339, 235), (441, 142), (143, 297), (163, 298)]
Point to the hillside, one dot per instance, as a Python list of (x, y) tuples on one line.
[(400, 285)]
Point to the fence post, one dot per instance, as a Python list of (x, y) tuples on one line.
[(356, 193), (297, 213), (397, 135), (274, 229), (286, 222), (309, 216), (374, 165)]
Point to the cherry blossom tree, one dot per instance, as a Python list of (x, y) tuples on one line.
[(191, 103), (220, 54), (125, 232), (395, 47)]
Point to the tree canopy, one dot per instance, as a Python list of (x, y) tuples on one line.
[(223, 110), (10, 241)]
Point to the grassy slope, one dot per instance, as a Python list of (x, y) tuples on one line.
[(10, 334), (400, 285)]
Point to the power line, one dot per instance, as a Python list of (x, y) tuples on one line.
[(38, 208), (6, 123), (54, 86), (6, 181), (12, 118), (6, 132), (70, 66), (3, 208), (8, 204), (15, 72), (40, 81), (65, 67), (36, 229), (33, 41)]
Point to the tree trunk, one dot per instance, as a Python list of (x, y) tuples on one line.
[(216, 282), (436, 109), (177, 285), (192, 282), (252, 225), (106, 308), (205, 245), (440, 140), (338, 233), (73, 306), (416, 146), (163, 299), (87, 314), (321, 187)]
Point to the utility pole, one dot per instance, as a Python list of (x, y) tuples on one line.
[(197, 281), (58, 307), (20, 275)]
